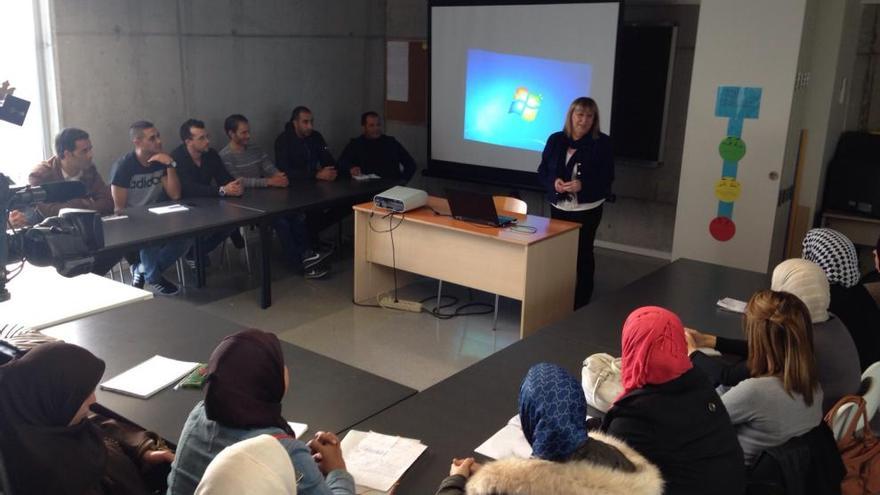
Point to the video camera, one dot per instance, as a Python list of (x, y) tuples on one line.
[(66, 242)]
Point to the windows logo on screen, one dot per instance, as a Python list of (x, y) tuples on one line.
[(525, 104)]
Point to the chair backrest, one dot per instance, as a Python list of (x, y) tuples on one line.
[(871, 387), (842, 419), (870, 393), (508, 203)]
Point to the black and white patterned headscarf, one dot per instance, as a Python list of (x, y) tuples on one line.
[(835, 253)]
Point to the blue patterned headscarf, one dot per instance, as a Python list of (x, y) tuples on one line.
[(553, 412)]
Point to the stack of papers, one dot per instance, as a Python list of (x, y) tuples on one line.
[(161, 210), (365, 177), (149, 377), (507, 442), (377, 461), (731, 304)]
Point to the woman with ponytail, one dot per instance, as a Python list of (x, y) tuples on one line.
[(783, 398)]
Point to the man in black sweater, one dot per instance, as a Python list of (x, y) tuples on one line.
[(302, 154), (202, 174), (375, 153)]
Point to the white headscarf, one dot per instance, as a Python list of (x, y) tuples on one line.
[(258, 465), (808, 282)]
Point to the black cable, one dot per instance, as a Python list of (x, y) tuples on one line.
[(436, 311), (393, 256), (525, 229), (390, 231), (15, 271)]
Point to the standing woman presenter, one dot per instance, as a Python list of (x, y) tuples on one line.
[(576, 170)]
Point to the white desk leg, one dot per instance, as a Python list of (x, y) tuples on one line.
[(549, 282)]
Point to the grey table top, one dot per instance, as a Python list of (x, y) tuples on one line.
[(324, 393), (458, 414)]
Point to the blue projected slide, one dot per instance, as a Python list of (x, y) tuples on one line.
[(518, 101)]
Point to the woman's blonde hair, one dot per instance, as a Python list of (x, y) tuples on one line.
[(587, 104), (780, 337)]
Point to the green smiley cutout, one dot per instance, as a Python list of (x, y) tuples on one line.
[(732, 149)]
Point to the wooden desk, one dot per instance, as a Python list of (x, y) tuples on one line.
[(537, 269)]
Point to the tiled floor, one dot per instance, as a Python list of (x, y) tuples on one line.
[(414, 349)]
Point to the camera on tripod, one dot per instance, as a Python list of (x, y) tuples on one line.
[(67, 242)]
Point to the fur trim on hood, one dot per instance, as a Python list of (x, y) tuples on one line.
[(540, 477)]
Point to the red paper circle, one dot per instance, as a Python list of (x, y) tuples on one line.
[(722, 228)]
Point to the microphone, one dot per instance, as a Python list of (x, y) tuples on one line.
[(50, 192)]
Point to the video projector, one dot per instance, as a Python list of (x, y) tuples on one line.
[(401, 199)]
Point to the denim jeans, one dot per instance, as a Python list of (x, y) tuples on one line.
[(294, 237), (156, 259)]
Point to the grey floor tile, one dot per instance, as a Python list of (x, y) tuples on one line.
[(414, 349)]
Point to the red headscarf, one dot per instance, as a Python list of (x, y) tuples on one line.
[(654, 348)]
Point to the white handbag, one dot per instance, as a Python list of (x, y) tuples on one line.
[(600, 378)]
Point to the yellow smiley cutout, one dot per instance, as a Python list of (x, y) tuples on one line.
[(727, 189)]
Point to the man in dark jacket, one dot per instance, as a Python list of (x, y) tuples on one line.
[(375, 153), (302, 154), (202, 174)]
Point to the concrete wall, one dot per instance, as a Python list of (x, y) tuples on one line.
[(118, 61), (661, 184)]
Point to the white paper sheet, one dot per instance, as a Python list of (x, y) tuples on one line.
[(377, 461), (299, 429), (162, 210), (149, 377), (731, 304), (364, 177), (397, 71), (509, 441)]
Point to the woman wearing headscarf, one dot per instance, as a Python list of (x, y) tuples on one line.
[(256, 466), (51, 442), (837, 361), (783, 398), (565, 459), (576, 171), (850, 300), (246, 381), (670, 412)]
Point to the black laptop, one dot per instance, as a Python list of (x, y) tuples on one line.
[(475, 207)]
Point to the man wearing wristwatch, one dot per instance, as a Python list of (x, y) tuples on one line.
[(142, 177), (202, 174)]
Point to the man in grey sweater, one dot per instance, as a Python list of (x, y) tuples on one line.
[(249, 163)]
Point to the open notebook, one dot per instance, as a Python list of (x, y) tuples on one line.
[(149, 377)]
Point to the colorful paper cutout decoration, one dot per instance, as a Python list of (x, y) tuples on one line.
[(727, 189), (735, 104), (732, 149), (722, 229)]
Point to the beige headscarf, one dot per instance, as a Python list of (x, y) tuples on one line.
[(258, 465), (808, 282)]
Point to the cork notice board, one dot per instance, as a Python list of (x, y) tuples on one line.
[(406, 72)]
